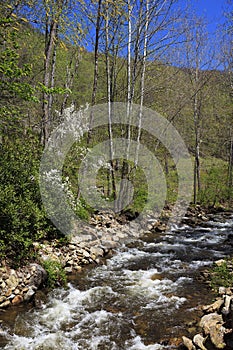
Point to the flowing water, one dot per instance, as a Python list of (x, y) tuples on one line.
[(137, 299)]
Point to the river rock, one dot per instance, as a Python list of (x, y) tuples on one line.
[(72, 247), (158, 226), (11, 297), (227, 304), (70, 262), (68, 269), (39, 277), (86, 254), (217, 338), (97, 251), (222, 290), (199, 340), (212, 325), (5, 304), (77, 268), (213, 307), (108, 243), (17, 300), (8, 292), (30, 293), (219, 262), (85, 261), (188, 343), (2, 299), (12, 281), (229, 291)]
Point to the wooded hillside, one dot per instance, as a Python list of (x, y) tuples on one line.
[(153, 53)]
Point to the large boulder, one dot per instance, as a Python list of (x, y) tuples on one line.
[(212, 325)]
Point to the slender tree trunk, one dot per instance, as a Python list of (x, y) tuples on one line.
[(136, 50), (96, 68), (51, 33), (230, 164), (142, 80), (196, 171), (70, 74), (97, 35), (52, 79), (96, 74), (197, 180), (110, 135), (50, 38), (123, 192)]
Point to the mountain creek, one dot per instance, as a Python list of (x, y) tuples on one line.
[(144, 296)]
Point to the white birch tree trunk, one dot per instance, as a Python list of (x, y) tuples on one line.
[(108, 73), (142, 90)]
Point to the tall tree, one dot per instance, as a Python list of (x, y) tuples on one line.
[(58, 21), (14, 87), (143, 73), (199, 58), (53, 12), (109, 97)]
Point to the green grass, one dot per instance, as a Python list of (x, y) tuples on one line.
[(222, 276), (56, 274)]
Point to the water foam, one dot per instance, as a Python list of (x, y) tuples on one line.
[(137, 344)]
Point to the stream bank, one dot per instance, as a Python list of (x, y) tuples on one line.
[(153, 277), (215, 325), (105, 233)]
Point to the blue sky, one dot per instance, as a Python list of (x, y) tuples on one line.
[(212, 10)]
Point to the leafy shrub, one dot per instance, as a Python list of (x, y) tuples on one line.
[(22, 217), (56, 274), (214, 189)]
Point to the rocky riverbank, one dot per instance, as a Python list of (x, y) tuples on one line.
[(89, 246), (215, 327), (20, 285)]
